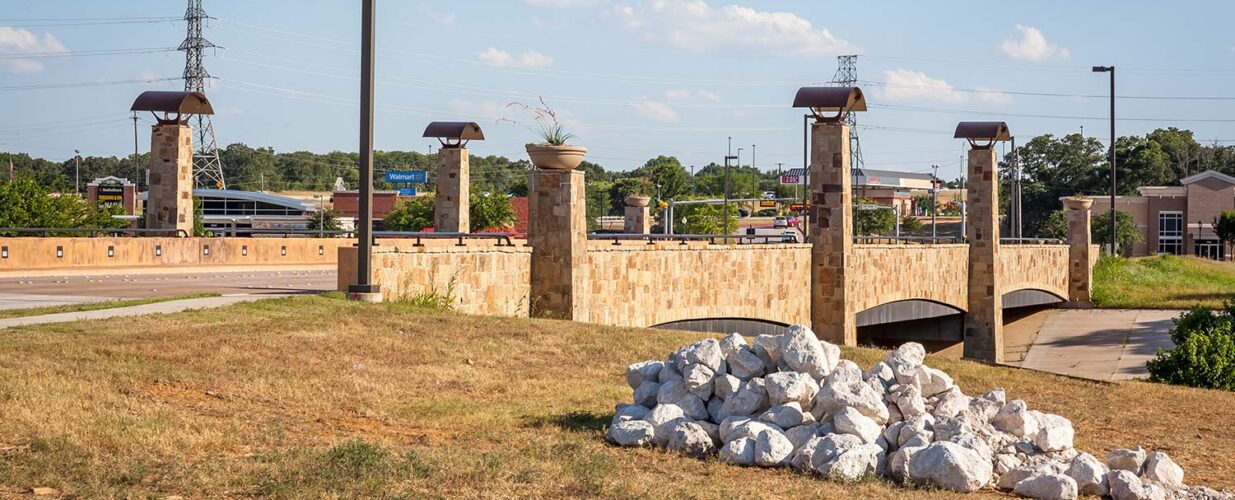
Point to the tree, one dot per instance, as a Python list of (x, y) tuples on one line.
[(1055, 167), (878, 221), (1056, 226), (26, 204), (667, 173), (1224, 226), (705, 218), (598, 202), (1125, 230), (490, 211), (326, 220), (410, 215), (924, 203), (910, 224)]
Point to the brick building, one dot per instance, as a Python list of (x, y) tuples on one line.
[(1177, 220)]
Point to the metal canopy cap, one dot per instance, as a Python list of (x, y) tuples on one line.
[(454, 134), (839, 100), (181, 104), (991, 132)]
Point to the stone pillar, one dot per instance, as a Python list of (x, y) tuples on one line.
[(831, 218), (557, 231), (170, 201), (450, 212), (984, 319), (1080, 253), (638, 220)]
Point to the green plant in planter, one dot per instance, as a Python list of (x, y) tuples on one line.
[(543, 122), (635, 186)]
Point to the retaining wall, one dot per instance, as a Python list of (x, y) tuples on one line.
[(108, 252)]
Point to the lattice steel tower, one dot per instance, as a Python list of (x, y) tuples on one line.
[(207, 169), (847, 76)]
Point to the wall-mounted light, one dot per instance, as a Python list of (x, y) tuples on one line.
[(205, 249), (283, 251), (59, 252), (158, 250), (244, 250), (4, 252), (321, 250), (111, 251)]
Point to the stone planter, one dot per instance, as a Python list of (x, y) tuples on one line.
[(1077, 203), (638, 201), (556, 157)]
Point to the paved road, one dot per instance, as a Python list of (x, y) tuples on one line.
[(1102, 344), (171, 306), (24, 292)]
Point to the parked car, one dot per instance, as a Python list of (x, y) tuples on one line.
[(780, 223), (793, 221)]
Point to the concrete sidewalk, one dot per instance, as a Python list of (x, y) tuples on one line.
[(172, 306), (1100, 344)]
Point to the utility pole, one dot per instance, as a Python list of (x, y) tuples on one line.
[(207, 169), (847, 76), (77, 170), (364, 285), (725, 213), (934, 203), (752, 157), (805, 171), (1114, 184), (137, 170)]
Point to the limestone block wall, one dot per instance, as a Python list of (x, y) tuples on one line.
[(644, 285), (488, 279), (103, 253), (887, 273), (1041, 267)]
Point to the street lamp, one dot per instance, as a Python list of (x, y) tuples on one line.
[(1111, 70), (321, 215), (364, 287), (77, 170)]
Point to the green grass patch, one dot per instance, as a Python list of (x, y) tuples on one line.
[(95, 306), (1162, 282)]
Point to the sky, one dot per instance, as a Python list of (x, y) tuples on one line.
[(632, 79)]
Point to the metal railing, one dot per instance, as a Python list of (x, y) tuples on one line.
[(712, 239), (1032, 241), (68, 231), (503, 239), (907, 240)]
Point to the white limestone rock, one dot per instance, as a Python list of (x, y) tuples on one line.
[(845, 372), (787, 387), (911, 354), (745, 364), (728, 424), (647, 394), (631, 433), (1126, 486), (671, 391), (705, 352), (1048, 487), (802, 351), (713, 431), (785, 416), (643, 371), (853, 464), (725, 386), (801, 434), (832, 397), (950, 403), (1126, 459), (751, 398), (950, 466), (976, 444), (1010, 479), (910, 402), (629, 412), (716, 407), (749, 429), (772, 448), (1055, 433), (767, 347), (1089, 474), (731, 343), (849, 420), (689, 439), (882, 373), (663, 418), (997, 396), (828, 447), (1159, 467), (917, 429), (800, 459), (898, 462), (933, 381), (739, 452), (698, 380), (1014, 418), (694, 407)]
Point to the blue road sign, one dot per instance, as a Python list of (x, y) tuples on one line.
[(409, 176), (407, 191)]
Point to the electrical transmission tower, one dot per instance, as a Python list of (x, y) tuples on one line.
[(847, 76), (207, 169)]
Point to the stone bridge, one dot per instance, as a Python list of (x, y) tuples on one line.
[(831, 283)]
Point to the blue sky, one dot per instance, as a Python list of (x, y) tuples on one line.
[(633, 78)]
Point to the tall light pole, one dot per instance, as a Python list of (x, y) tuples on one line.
[(364, 286), (752, 157), (1111, 70), (321, 215), (934, 202), (77, 170)]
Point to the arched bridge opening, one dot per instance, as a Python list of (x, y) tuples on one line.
[(936, 325), (745, 326)]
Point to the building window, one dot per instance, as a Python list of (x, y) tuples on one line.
[(1171, 233), (1209, 249)]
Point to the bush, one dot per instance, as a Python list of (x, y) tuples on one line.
[(1204, 353)]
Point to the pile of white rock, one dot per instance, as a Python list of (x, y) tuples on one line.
[(789, 400)]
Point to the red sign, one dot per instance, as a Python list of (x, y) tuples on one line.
[(790, 179)]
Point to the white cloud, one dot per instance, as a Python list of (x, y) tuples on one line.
[(16, 41), (992, 96), (502, 59), (442, 18), (906, 85), (695, 26), (687, 95), (1032, 46), (654, 110), (561, 4)]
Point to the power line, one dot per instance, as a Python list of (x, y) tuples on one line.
[(83, 53), (1045, 94), (86, 84), (1039, 115), (97, 22), (207, 169)]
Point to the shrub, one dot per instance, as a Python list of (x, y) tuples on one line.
[(1204, 353)]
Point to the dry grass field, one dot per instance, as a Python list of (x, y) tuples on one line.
[(319, 397)]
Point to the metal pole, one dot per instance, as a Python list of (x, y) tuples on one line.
[(752, 157), (77, 170), (1114, 243), (896, 211), (137, 171), (365, 231), (934, 203), (802, 221)]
